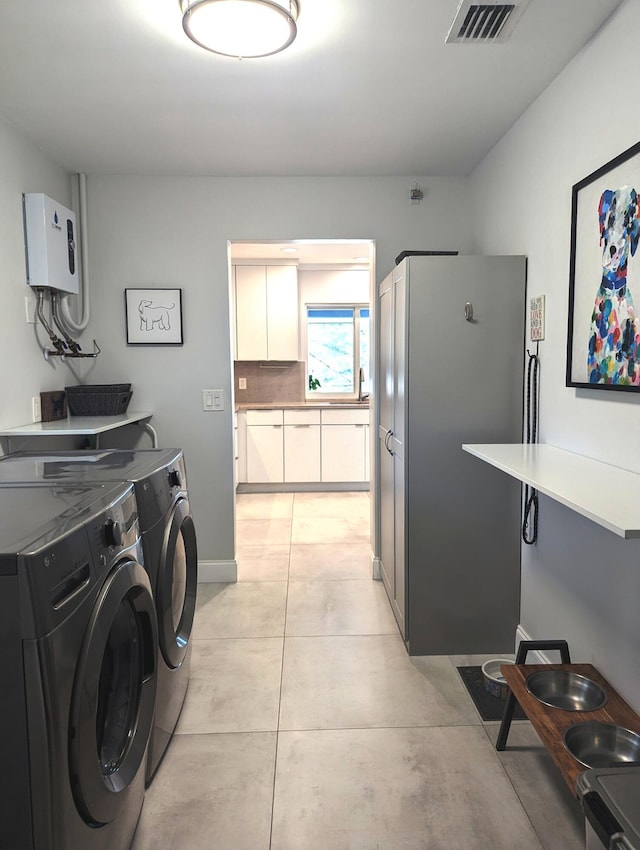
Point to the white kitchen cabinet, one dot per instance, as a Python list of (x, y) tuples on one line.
[(241, 446), (266, 312), (301, 445), (265, 447), (344, 445)]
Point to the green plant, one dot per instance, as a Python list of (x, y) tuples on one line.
[(314, 383)]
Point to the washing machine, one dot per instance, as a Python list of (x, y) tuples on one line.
[(77, 667), (170, 554)]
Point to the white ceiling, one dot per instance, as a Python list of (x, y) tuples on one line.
[(368, 87)]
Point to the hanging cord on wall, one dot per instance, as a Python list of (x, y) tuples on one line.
[(530, 517)]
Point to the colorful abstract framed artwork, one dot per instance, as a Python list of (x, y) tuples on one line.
[(603, 343), (153, 316)]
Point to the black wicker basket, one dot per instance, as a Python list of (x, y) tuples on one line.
[(98, 399)]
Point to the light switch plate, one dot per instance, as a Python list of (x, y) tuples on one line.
[(213, 400)]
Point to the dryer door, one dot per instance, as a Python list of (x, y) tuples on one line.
[(176, 584), (113, 694)]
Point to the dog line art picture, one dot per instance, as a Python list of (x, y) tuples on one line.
[(154, 316), (614, 336)]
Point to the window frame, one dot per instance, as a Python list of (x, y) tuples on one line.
[(357, 307)]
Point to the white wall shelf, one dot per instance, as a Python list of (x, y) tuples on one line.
[(82, 425), (605, 494)]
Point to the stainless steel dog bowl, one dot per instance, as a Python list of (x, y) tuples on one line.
[(563, 689), (596, 744)]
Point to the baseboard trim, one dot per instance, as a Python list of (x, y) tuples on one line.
[(303, 487), (534, 657), (376, 575), (217, 571)]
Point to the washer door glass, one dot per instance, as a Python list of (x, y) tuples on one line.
[(114, 694), (119, 688), (176, 584)]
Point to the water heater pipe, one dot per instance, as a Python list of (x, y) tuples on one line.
[(81, 323)]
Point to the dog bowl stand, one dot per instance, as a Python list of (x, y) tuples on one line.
[(550, 723)]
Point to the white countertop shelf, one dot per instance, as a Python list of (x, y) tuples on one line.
[(77, 425), (605, 494)]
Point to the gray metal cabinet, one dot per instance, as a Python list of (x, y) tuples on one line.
[(391, 442), (449, 524)]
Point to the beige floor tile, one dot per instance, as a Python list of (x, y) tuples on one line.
[(259, 531), (263, 563), (316, 505), (554, 812), (234, 686), (348, 682), (264, 505), (394, 789), (327, 561), (344, 529), (246, 609), (210, 792), (337, 607)]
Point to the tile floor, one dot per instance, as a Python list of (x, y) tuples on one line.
[(308, 727)]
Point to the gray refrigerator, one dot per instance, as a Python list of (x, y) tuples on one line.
[(450, 371)]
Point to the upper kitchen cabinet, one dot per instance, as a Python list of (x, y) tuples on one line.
[(266, 312)]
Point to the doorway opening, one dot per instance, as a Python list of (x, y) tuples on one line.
[(303, 341)]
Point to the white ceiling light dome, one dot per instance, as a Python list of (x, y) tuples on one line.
[(245, 29)]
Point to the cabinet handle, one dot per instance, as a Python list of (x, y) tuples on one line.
[(302, 426)]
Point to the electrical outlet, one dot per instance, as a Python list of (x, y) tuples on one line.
[(36, 409), (242, 383)]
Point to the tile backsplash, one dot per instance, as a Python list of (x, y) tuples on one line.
[(269, 381)]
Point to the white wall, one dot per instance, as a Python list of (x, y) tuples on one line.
[(580, 582), (23, 371), (173, 232)]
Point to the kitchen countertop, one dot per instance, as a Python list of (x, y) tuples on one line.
[(302, 405)]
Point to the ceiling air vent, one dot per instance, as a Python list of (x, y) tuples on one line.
[(484, 23)]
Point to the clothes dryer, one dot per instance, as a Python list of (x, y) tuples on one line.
[(170, 553), (77, 667)]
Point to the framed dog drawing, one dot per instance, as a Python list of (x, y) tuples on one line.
[(153, 316), (603, 343)]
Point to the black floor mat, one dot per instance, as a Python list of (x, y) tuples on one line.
[(489, 707)]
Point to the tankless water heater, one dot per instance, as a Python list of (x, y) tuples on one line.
[(50, 243)]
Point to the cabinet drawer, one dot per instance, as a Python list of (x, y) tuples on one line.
[(348, 416), (264, 417), (301, 417)]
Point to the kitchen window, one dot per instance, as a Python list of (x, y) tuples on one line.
[(338, 340)]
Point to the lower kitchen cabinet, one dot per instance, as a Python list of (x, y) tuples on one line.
[(240, 444), (344, 445), (301, 445), (265, 447)]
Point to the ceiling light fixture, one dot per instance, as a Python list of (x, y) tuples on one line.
[(245, 29)]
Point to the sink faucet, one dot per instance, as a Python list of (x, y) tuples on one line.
[(361, 396)]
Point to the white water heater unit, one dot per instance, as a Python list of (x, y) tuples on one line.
[(50, 243)]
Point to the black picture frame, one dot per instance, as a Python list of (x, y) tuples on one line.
[(603, 335), (153, 316)]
